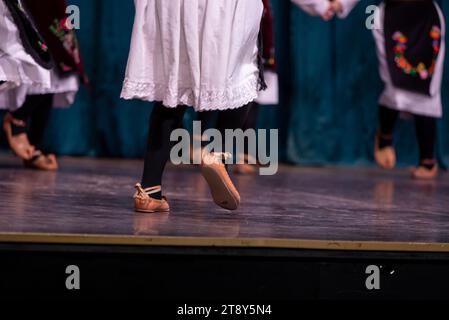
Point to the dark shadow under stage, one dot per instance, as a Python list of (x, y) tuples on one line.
[(305, 226)]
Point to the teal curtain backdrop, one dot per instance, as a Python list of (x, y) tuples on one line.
[(328, 75)]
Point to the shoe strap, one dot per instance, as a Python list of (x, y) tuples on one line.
[(36, 155), (429, 162), (16, 122), (146, 192), (222, 155), (216, 157)]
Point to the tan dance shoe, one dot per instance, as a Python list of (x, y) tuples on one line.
[(19, 144), (423, 173), (385, 157), (223, 191), (43, 162), (145, 204)]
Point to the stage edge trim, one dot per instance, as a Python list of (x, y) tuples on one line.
[(82, 239)]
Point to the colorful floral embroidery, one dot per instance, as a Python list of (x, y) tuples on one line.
[(27, 27), (67, 37), (65, 67), (420, 69), (43, 46)]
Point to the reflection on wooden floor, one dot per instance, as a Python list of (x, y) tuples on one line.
[(90, 201)]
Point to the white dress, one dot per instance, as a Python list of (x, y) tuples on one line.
[(199, 53), (23, 75)]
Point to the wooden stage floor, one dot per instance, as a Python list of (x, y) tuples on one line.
[(90, 202)]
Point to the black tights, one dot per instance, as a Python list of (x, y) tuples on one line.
[(35, 113), (207, 120), (251, 120), (425, 132), (163, 121)]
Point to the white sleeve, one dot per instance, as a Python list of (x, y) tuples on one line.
[(313, 7), (347, 5)]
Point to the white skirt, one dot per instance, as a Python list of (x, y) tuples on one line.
[(407, 101), (23, 75), (199, 53)]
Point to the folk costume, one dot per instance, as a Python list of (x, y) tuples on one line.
[(40, 67), (192, 53), (410, 42)]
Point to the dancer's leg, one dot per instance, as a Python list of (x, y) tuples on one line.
[(232, 119), (384, 152), (250, 160), (387, 121), (214, 171), (16, 124), (426, 134), (163, 121), (39, 120), (251, 119), (23, 115)]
